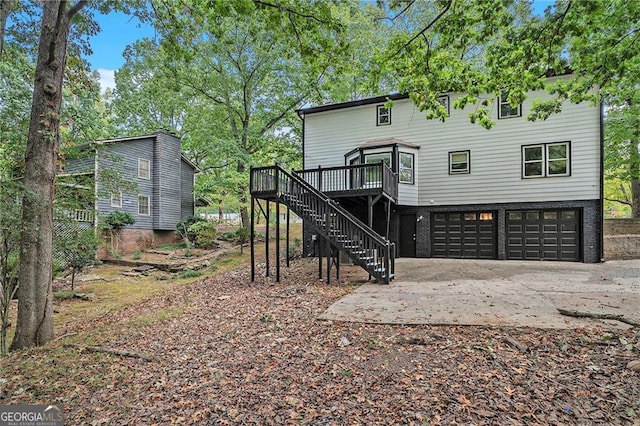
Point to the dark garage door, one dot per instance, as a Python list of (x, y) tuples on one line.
[(543, 234), (464, 235)]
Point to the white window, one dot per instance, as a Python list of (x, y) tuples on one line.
[(373, 177), (505, 110), (116, 199), (545, 160), (144, 168), (459, 162), (405, 169), (144, 205), (383, 115)]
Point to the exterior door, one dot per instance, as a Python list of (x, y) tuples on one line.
[(549, 234), (461, 235), (407, 242)]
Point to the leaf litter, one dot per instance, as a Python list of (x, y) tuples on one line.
[(234, 352)]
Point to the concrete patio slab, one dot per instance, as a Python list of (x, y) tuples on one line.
[(499, 293)]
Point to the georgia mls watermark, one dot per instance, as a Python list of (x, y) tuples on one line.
[(31, 415)]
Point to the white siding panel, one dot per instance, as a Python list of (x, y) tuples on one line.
[(496, 170)]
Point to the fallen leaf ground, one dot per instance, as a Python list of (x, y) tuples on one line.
[(234, 352)]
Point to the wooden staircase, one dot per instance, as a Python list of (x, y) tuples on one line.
[(362, 244)]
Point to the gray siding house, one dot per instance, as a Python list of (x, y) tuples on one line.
[(163, 180), (522, 190)]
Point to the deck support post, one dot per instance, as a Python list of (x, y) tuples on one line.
[(319, 245), (329, 260), (266, 240), (252, 238), (388, 217), (277, 240), (288, 229)]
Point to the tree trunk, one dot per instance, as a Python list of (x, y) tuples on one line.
[(35, 310), (5, 10), (635, 198), (634, 172), (242, 196)]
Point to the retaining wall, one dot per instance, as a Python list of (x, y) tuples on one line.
[(621, 239)]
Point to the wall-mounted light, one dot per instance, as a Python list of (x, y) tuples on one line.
[(419, 218)]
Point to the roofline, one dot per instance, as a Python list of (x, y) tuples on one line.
[(190, 163), (131, 138), (393, 97), (341, 105)]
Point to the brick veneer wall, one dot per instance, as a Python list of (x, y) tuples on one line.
[(591, 229), (591, 219), (132, 239)]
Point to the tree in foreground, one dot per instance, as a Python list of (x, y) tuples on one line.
[(35, 297)]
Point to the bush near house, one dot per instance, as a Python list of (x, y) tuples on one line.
[(198, 231), (114, 222), (204, 233)]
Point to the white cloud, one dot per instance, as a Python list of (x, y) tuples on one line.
[(107, 79)]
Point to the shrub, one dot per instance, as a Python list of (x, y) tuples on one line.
[(184, 225), (204, 233), (242, 236), (117, 220), (114, 222), (80, 252), (229, 236), (189, 273)]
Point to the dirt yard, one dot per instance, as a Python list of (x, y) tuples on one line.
[(223, 350)]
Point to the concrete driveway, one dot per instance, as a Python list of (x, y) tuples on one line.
[(501, 293)]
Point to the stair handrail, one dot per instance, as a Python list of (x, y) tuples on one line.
[(388, 246), (373, 234)]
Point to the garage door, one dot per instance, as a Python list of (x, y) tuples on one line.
[(464, 235), (543, 234)]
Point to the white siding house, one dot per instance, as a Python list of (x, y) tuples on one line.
[(522, 190)]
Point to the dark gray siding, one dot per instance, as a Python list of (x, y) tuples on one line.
[(80, 165), (186, 189), (124, 156), (167, 161)]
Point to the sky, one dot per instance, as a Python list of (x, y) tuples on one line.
[(118, 31)]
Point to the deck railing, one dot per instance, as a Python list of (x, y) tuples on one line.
[(355, 177), (367, 248), (81, 215)]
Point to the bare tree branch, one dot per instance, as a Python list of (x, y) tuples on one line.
[(290, 10), (425, 29), (615, 200), (76, 8)]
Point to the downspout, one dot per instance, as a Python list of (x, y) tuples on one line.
[(602, 259), (301, 117)]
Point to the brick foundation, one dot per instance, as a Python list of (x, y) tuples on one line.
[(590, 232), (132, 239)]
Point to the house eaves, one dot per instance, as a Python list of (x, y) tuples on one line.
[(190, 163), (330, 107)]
